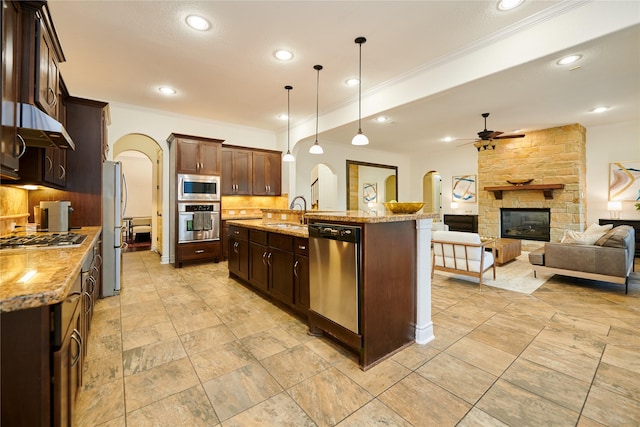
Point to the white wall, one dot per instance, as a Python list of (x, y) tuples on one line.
[(137, 171)]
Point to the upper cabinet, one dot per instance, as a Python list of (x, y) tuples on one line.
[(11, 147), (237, 171), (267, 173), (196, 155), (251, 172)]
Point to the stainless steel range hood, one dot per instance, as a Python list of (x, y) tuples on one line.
[(41, 130)]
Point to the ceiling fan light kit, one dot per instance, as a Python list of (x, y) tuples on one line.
[(316, 148), (288, 157), (360, 138)]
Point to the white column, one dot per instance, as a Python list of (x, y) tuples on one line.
[(424, 325)]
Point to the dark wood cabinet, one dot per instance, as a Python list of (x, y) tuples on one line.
[(237, 171), (197, 251), (259, 260), (280, 261), (44, 166), (267, 173), (197, 155), (238, 261), (301, 275), (224, 238), (468, 223), (11, 145), (635, 223)]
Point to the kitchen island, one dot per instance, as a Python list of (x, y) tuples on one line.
[(394, 292)]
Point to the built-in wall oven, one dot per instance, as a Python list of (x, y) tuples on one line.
[(198, 221), (198, 188)]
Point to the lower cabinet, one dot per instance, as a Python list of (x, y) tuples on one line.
[(273, 263), (197, 251)]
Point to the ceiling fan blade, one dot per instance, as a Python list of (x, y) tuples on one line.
[(470, 141), (510, 136)]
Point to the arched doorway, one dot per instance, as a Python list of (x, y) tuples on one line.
[(148, 150), (432, 192), (324, 188)]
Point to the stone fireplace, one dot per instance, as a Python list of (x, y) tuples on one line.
[(548, 156), (525, 224)]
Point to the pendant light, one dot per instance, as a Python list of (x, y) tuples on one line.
[(288, 157), (360, 138), (316, 148)]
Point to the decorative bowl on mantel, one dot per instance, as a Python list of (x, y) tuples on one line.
[(520, 181), (403, 207)]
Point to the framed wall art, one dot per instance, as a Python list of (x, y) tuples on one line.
[(624, 181), (370, 193), (464, 189)]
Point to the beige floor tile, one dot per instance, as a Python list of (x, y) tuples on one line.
[(104, 346), (116, 422), (618, 380), (577, 341), (97, 405), (458, 377), (445, 336), (415, 355), (376, 379), (294, 365), (147, 335), (138, 311), (149, 356), (374, 414), (277, 411), (424, 403), (582, 323), (518, 407), (329, 397), (190, 407), (612, 409), (258, 322), (157, 383), (480, 355), (239, 390), (329, 350), (221, 360), (101, 326), (477, 417), (622, 357), (627, 336), (206, 339), (185, 322), (562, 359), (552, 385), (269, 342), (502, 338), (99, 371)]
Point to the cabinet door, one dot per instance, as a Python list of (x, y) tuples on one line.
[(9, 146), (267, 169), (258, 266), (242, 172), (48, 74), (239, 257), (187, 153), (210, 158), (55, 164), (281, 275), (301, 282)]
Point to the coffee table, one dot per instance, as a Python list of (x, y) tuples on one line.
[(507, 250)]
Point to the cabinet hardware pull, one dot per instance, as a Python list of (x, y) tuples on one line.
[(76, 358), (199, 251), (269, 260), (263, 258), (24, 145), (295, 268), (50, 163), (235, 247), (64, 172), (54, 100), (99, 258), (302, 247)]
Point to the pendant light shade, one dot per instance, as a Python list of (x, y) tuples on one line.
[(288, 157), (316, 148), (360, 138)]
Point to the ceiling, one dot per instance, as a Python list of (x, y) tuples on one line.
[(431, 66)]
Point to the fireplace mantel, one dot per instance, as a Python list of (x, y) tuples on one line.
[(547, 189)]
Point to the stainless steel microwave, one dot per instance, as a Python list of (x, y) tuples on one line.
[(204, 188)]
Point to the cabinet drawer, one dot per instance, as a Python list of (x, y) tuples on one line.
[(301, 246), (258, 236), (239, 233), (191, 251), (281, 241)]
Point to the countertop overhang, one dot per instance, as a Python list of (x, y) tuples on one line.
[(55, 270)]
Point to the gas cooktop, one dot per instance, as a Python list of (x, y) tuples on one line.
[(38, 241)]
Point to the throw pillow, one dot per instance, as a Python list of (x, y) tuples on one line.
[(581, 238), (595, 228)]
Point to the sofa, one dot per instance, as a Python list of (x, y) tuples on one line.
[(610, 258)]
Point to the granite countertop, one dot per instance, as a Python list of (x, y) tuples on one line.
[(365, 217), (56, 268), (291, 229)]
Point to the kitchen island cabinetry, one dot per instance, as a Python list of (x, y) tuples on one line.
[(197, 155), (267, 173), (237, 171), (258, 260), (301, 275), (239, 252)]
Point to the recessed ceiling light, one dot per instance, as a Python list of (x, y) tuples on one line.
[(197, 22), (448, 139), (381, 119), (569, 59), (166, 90), (283, 55), (352, 81), (599, 109), (509, 4), (282, 116)]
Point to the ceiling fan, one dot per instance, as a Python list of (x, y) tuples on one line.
[(486, 137)]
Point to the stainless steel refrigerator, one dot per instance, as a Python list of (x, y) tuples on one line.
[(113, 206)]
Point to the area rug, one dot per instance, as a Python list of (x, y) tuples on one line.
[(516, 276)]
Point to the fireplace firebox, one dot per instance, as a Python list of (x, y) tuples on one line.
[(525, 224)]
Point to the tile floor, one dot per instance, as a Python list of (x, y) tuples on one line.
[(191, 347)]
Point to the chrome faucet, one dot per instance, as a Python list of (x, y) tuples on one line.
[(293, 203)]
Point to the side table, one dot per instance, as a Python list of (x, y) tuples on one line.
[(507, 250)]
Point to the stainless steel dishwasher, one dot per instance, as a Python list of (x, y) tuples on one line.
[(334, 273)]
